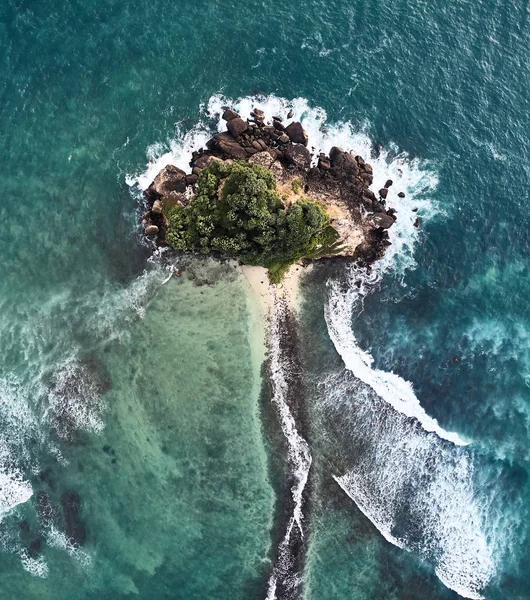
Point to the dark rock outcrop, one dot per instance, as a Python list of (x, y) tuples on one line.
[(381, 220), (170, 179), (296, 133), (282, 148), (230, 114), (227, 146), (236, 126)]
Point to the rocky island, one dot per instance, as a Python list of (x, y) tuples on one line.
[(255, 194)]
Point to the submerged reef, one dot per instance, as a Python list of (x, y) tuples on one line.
[(256, 194)]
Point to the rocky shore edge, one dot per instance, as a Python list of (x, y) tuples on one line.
[(340, 182)]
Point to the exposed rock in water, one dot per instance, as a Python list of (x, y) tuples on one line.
[(388, 183), (170, 179), (230, 114), (383, 192), (296, 133), (381, 220), (401, 195)]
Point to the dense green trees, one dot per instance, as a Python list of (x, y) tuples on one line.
[(237, 212)]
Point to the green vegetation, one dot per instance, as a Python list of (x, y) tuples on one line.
[(237, 212), (296, 185)]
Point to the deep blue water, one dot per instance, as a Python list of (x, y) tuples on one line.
[(85, 89)]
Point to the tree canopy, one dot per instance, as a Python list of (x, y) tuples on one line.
[(237, 212)]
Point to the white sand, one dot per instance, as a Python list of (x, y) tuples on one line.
[(264, 291)]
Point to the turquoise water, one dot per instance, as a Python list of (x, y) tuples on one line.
[(98, 353)]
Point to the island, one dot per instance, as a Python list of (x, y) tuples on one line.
[(257, 194), (254, 194)]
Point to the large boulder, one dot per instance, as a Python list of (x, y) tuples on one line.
[(157, 207), (349, 164), (297, 155), (230, 114), (170, 179), (296, 133), (264, 159), (237, 126), (151, 229), (201, 161), (228, 146), (336, 156), (381, 220)]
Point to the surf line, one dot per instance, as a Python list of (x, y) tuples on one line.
[(389, 386), (285, 376)]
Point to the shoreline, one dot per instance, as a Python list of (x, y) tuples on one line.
[(264, 291)]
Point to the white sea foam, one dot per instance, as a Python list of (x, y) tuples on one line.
[(299, 452), (58, 539), (75, 399), (14, 489), (417, 489), (35, 566)]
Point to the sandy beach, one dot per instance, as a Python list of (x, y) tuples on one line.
[(265, 291)]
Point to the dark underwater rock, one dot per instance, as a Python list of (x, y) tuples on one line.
[(74, 527)]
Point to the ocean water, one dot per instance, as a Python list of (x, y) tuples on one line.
[(147, 396)]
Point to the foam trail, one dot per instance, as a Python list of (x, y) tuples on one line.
[(389, 386), (285, 571)]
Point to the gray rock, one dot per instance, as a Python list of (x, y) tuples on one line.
[(336, 155), (236, 126), (388, 183), (401, 195), (324, 162), (383, 192), (227, 145), (296, 133), (203, 161), (157, 207), (381, 221), (170, 179), (262, 158), (151, 229), (298, 155)]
